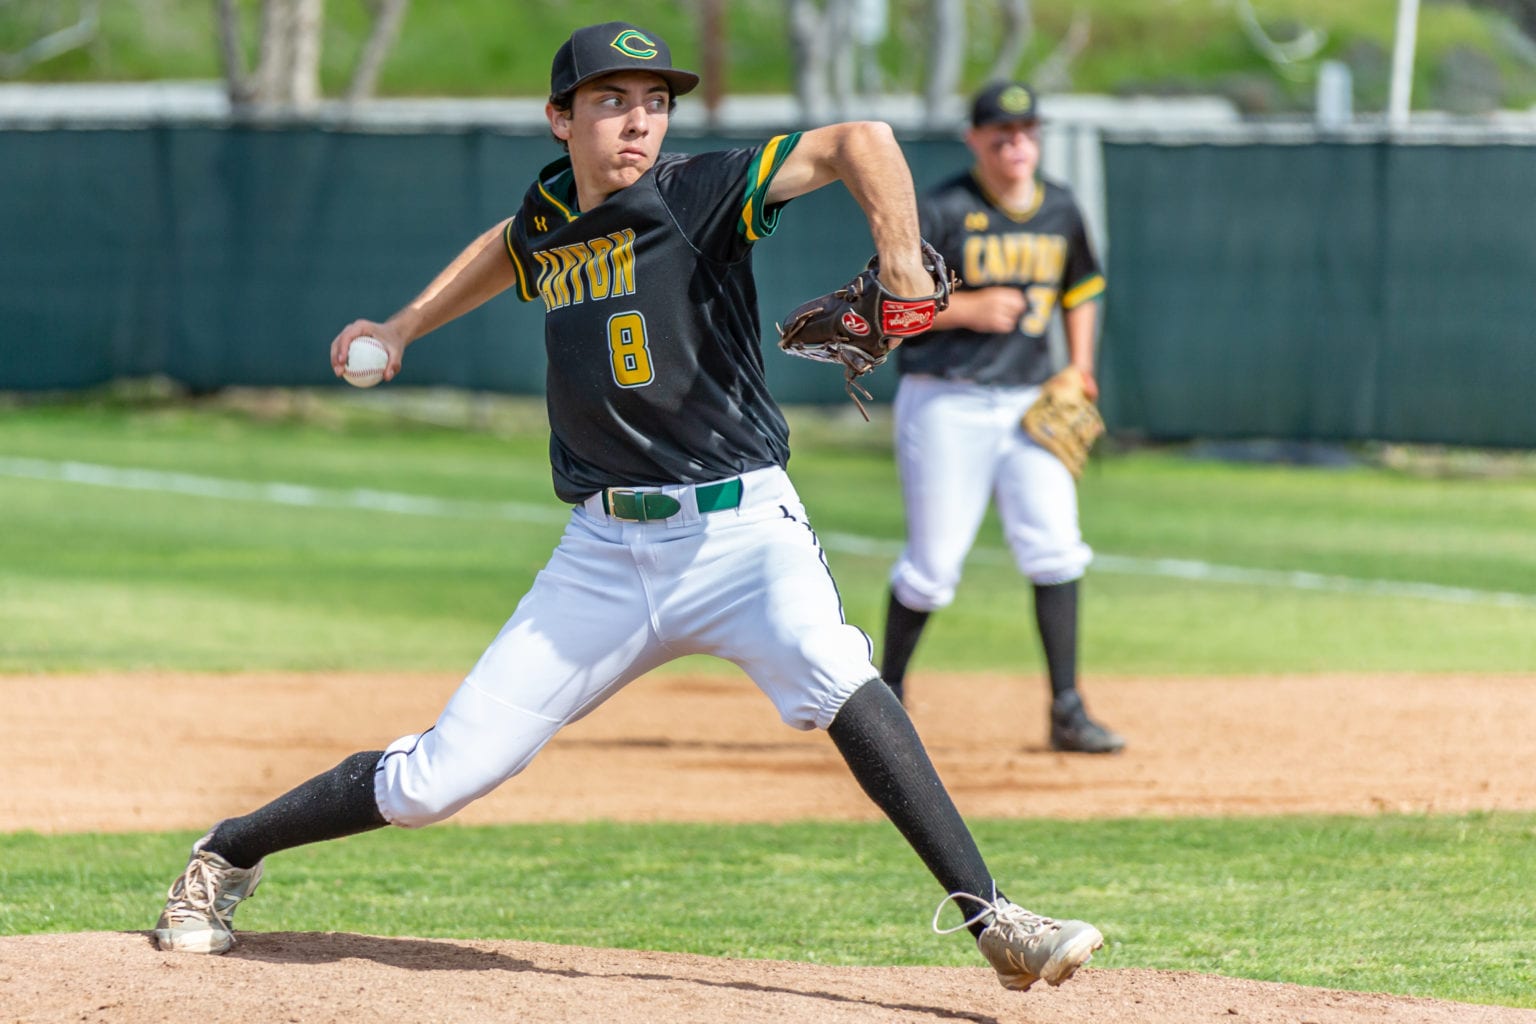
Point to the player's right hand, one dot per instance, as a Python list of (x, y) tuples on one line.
[(359, 328), (994, 310)]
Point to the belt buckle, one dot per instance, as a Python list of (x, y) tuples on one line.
[(648, 506), (613, 506)]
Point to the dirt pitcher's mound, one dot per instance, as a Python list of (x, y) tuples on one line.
[(120, 978)]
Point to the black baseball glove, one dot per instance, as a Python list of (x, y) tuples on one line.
[(858, 324)]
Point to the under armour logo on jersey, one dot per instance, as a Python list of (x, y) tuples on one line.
[(540, 223), (976, 222), (634, 44)]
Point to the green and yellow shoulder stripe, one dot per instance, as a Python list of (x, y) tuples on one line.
[(757, 221), (1086, 290)]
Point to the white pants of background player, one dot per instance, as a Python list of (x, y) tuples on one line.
[(958, 447), (616, 600)]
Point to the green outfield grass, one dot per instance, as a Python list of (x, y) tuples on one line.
[(111, 577), (1413, 905), (96, 577)]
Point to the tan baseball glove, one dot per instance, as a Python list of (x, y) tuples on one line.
[(1064, 421)]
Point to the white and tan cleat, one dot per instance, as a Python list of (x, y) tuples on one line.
[(1024, 947), (200, 906)]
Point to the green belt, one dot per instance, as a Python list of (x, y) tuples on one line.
[(645, 506)]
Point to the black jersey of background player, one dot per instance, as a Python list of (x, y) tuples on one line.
[(651, 323), (1043, 251)]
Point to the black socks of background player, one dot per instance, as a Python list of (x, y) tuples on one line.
[(903, 627), (1056, 615), (882, 749), (333, 804)]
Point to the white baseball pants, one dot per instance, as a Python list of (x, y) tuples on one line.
[(617, 599), (959, 446)]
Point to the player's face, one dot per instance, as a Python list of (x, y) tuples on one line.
[(1008, 152), (614, 131)]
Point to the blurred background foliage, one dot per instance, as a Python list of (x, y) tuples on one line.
[(1473, 55)]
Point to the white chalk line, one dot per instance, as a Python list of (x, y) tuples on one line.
[(301, 495), (306, 496)]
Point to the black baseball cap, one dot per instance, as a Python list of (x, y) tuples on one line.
[(614, 46), (1003, 102)]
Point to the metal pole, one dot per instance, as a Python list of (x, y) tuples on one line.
[(1398, 102)]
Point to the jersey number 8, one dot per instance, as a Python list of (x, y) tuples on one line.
[(627, 350)]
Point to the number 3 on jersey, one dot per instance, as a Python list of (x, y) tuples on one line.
[(627, 350), (1042, 302)]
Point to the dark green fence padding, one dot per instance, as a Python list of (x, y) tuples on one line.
[(1324, 291)]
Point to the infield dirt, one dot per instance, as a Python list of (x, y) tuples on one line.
[(709, 748)]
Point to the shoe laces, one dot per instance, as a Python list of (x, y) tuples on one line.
[(1010, 918), (194, 894)]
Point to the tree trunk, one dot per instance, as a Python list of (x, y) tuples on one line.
[(871, 24), (946, 54), (808, 45), (237, 76), (1054, 74), (713, 46), (386, 29), (54, 41), (273, 50), (288, 71), (304, 71), (844, 57), (1018, 27)]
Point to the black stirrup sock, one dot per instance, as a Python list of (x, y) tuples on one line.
[(876, 738), (1056, 615), (333, 804), (903, 628)]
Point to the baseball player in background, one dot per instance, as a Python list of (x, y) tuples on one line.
[(1020, 248), (685, 534)]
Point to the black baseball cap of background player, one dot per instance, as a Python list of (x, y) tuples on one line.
[(1005, 103), (609, 47)]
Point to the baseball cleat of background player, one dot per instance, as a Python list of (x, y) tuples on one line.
[(1072, 730), (200, 906), (1024, 947)]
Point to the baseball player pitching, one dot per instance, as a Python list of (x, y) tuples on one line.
[(685, 535), (1020, 249)]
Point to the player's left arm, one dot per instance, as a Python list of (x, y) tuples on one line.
[(1082, 323), (867, 159), (1082, 289)]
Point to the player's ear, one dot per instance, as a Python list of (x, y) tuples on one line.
[(559, 121)]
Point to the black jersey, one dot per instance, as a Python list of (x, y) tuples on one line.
[(1042, 251), (651, 323)]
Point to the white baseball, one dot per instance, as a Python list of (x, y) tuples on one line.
[(366, 359)]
